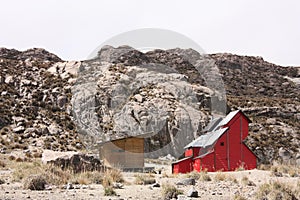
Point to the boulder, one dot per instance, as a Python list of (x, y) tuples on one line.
[(187, 181), (78, 162), (192, 193), (61, 101)]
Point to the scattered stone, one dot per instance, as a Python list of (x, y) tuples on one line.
[(18, 129), (192, 192), (69, 186), (61, 101), (38, 86), (155, 185), (118, 185), (187, 181)]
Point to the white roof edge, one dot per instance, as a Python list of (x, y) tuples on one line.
[(228, 117), (210, 137)]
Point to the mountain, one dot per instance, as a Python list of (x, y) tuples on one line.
[(168, 96)]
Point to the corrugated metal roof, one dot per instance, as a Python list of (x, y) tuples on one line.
[(212, 124), (207, 139), (229, 117)]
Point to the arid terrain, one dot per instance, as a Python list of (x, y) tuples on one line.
[(42, 108), (281, 182)]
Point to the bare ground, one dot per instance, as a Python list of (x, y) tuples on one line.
[(228, 188)]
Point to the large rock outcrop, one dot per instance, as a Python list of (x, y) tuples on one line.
[(167, 95)]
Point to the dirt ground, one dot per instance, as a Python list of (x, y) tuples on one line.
[(214, 189)]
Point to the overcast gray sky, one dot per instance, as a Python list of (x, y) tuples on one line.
[(73, 29)]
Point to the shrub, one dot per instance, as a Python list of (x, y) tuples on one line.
[(35, 182), (86, 178), (274, 191), (194, 174), (142, 179), (25, 169), (241, 167), (109, 191), (245, 181), (53, 174), (204, 176), (279, 170), (231, 178), (115, 174), (2, 164), (170, 191), (220, 176), (264, 167), (56, 175), (239, 197)]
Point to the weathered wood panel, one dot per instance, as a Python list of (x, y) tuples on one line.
[(123, 153)]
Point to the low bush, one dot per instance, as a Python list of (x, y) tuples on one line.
[(35, 182), (144, 179), (204, 176), (194, 174), (245, 181), (220, 176), (109, 191), (2, 164), (231, 178), (276, 190), (239, 197), (170, 191), (280, 170)]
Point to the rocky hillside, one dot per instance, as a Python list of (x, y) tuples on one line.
[(169, 96), (269, 95), (33, 114)]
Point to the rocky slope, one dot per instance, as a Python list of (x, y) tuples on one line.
[(269, 95), (167, 95), (32, 103)]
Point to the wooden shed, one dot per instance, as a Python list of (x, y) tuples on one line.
[(126, 153), (221, 148)]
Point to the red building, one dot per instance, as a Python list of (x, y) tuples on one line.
[(221, 148)]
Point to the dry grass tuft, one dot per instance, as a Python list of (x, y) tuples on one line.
[(246, 182), (115, 174), (280, 170), (239, 197), (170, 191), (276, 190), (25, 169), (55, 175), (35, 182), (111, 176), (231, 178), (2, 164), (144, 179), (204, 176), (240, 168), (109, 191), (220, 176), (194, 174), (86, 178), (264, 167)]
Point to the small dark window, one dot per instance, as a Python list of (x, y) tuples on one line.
[(222, 143)]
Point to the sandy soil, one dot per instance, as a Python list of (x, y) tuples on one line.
[(206, 189)]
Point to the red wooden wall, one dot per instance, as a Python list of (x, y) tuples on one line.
[(229, 152), (183, 166)]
